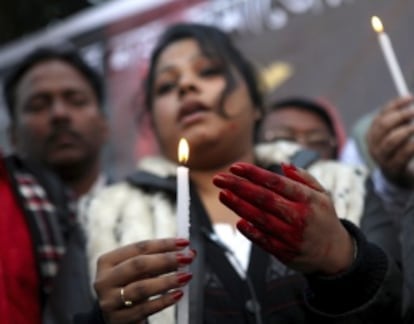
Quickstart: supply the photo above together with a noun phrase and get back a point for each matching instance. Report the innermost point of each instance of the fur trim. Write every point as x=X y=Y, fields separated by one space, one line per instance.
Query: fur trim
x=346 y=184
x=278 y=152
x=158 y=165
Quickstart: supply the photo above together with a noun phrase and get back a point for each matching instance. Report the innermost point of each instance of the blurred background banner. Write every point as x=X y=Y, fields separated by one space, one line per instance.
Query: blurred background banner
x=318 y=48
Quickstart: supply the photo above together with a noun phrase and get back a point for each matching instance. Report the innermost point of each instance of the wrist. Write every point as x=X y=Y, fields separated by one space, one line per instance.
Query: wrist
x=363 y=280
x=342 y=256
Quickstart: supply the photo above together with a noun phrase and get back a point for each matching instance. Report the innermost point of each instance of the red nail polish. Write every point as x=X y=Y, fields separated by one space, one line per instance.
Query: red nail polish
x=176 y=295
x=181 y=243
x=289 y=166
x=184 y=277
x=236 y=167
x=184 y=259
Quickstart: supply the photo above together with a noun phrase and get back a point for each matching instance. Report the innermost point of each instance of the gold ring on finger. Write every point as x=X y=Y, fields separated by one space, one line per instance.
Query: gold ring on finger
x=126 y=302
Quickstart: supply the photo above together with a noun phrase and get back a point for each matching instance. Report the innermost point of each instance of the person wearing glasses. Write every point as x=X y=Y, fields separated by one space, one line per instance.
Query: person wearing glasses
x=311 y=123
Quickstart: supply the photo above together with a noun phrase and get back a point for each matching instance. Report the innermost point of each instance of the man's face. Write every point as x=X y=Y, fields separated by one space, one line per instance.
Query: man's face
x=58 y=120
x=302 y=126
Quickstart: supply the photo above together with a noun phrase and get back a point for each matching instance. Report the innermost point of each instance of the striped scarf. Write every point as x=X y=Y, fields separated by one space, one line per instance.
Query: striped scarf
x=49 y=225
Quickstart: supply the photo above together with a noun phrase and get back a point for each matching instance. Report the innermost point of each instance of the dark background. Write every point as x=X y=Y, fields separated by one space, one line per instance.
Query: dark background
x=20 y=17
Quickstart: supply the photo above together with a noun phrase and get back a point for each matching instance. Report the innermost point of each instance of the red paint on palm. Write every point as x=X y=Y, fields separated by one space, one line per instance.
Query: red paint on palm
x=277 y=183
x=284 y=252
x=255 y=194
x=274 y=207
x=282 y=226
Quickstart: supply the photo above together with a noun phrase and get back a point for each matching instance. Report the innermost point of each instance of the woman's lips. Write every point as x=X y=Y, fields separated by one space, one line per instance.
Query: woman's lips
x=193 y=117
x=192 y=111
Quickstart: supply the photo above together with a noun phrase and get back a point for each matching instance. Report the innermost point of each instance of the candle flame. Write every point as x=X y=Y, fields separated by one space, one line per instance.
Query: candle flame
x=377 y=24
x=183 y=151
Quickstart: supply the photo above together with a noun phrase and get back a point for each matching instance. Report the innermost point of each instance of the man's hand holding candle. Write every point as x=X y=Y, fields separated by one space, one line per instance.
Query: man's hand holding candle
x=390 y=141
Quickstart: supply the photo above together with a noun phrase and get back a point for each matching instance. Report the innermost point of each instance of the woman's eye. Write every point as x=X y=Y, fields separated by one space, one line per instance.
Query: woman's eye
x=211 y=71
x=164 y=88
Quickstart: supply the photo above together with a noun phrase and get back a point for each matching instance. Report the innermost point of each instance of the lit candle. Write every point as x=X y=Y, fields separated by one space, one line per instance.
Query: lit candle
x=183 y=219
x=183 y=192
x=390 y=58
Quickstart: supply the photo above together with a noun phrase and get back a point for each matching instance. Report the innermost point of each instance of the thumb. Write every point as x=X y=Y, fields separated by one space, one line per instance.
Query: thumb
x=302 y=176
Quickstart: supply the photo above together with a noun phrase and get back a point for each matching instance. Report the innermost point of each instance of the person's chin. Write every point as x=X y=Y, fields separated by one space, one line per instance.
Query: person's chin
x=66 y=157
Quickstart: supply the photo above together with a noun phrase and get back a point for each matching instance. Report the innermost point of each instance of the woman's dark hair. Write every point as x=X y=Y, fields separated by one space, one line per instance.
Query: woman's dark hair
x=213 y=43
x=63 y=53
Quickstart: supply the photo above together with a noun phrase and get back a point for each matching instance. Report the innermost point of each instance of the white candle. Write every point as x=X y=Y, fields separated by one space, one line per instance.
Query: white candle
x=390 y=58
x=183 y=220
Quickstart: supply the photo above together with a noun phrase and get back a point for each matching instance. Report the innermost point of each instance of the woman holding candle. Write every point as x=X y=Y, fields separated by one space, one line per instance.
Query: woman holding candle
x=201 y=88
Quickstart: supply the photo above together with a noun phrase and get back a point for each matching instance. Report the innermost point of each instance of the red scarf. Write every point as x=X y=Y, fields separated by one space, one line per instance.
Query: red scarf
x=19 y=278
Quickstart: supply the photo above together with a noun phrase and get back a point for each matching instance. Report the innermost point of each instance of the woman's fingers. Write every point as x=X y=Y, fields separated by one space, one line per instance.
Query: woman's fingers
x=139 y=292
x=259 y=196
x=136 y=280
x=288 y=186
x=301 y=176
x=126 y=252
x=145 y=266
x=140 y=312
